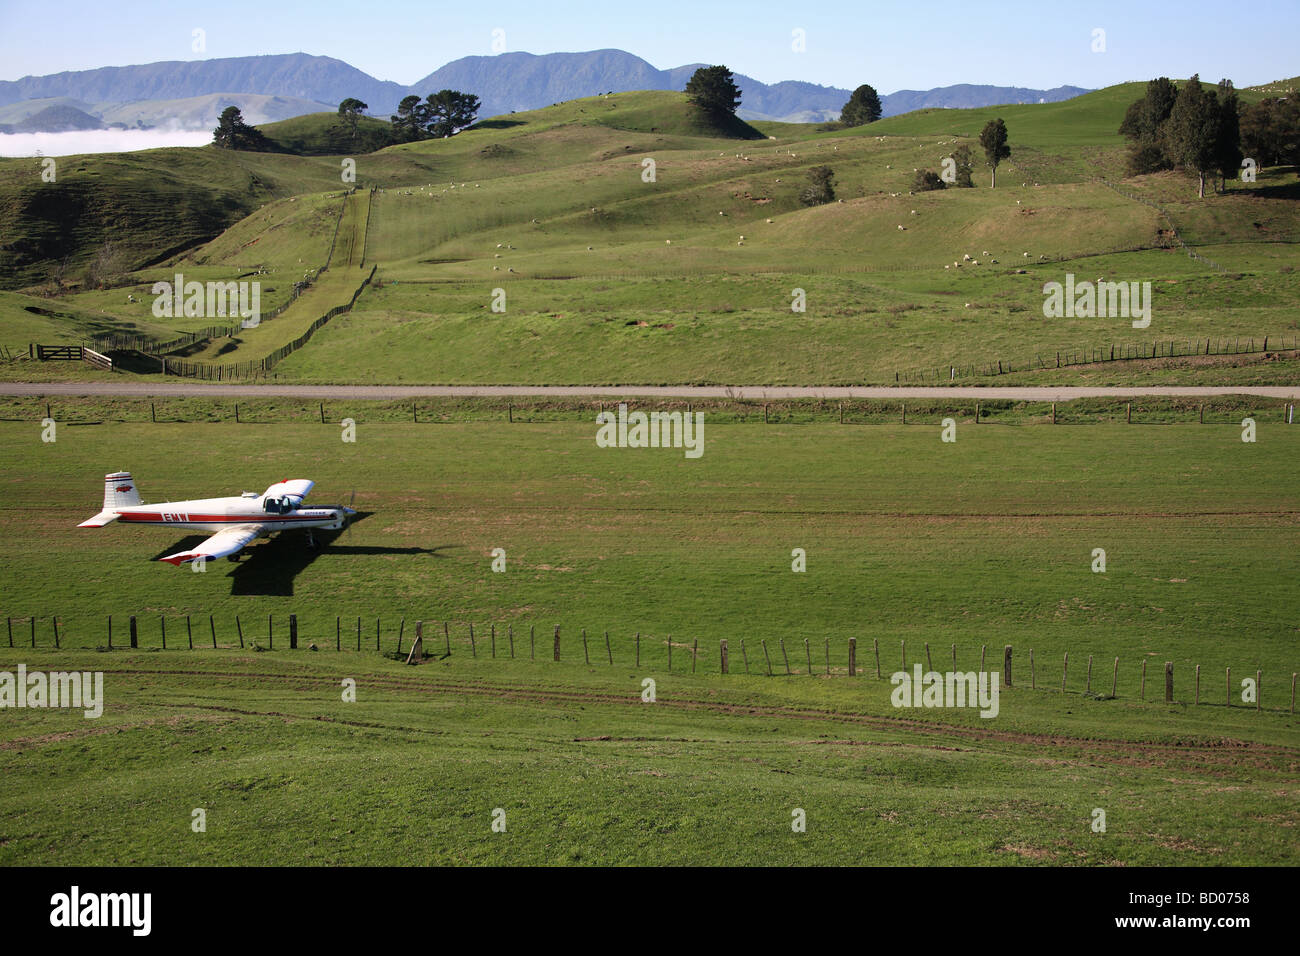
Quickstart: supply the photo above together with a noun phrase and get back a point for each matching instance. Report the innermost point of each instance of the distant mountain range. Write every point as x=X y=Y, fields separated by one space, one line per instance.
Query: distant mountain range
x=191 y=94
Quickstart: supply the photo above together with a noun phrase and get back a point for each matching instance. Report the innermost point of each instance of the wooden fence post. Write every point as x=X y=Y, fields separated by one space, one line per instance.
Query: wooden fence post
x=56 y=632
x=903 y=643
x=788 y=672
x=510 y=633
x=473 y=644
x=494 y=640
x=293 y=633
x=928 y=666
x=1169 y=682
x=110 y=633
x=556 y=655
x=808 y=653
x=1087 y=686
x=1033 y=672
x=10 y=622
x=401 y=632
x=1114 y=680
x=1142 y=692
x=239 y=629
x=983 y=648
x=162 y=622
x=189 y=633
x=828 y=657
x=722 y=654
x=532 y=643
x=853 y=655
x=745 y=655
x=769 y=659
x=670 y=652
x=875 y=643
x=1006 y=665
x=1259 y=691
x=695 y=646
x=1065 y=667
x=585 y=656
x=1293 y=692
x=132 y=630
x=213 y=628
x=1227 y=686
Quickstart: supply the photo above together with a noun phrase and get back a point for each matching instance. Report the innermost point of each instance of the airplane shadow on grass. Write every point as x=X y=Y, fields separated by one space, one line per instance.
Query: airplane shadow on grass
x=270 y=566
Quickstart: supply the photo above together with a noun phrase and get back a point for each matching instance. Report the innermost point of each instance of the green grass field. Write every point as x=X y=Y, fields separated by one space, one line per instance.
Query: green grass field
x=979 y=543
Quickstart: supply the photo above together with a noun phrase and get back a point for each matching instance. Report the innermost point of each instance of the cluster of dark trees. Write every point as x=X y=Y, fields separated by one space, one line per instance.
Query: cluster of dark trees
x=1191 y=127
x=233 y=133
x=1270 y=131
x=438 y=115
x=1208 y=131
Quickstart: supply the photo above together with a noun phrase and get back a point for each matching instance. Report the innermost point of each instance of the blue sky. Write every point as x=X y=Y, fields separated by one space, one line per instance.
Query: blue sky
x=891 y=45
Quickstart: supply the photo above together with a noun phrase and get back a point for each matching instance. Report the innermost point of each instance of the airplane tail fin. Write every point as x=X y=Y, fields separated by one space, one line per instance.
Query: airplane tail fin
x=119 y=492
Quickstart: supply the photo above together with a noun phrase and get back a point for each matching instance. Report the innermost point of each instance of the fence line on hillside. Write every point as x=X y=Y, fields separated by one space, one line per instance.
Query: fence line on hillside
x=560 y=644
x=140 y=343
x=338 y=220
x=1169 y=219
x=212 y=371
x=365 y=234
x=1112 y=352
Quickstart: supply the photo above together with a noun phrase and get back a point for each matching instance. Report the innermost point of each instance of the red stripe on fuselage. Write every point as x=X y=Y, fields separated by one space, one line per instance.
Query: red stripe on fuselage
x=157 y=518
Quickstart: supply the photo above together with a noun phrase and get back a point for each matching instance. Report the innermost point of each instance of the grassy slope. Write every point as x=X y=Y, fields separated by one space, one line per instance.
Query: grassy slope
x=559 y=193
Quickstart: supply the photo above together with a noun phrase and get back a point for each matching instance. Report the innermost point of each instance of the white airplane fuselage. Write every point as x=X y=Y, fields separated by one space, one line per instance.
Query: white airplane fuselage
x=217 y=514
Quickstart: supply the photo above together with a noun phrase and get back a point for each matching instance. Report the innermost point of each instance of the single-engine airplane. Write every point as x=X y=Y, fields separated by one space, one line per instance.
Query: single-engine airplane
x=236 y=520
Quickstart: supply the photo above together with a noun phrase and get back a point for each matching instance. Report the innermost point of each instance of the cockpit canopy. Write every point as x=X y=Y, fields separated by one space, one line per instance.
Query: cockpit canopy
x=279 y=506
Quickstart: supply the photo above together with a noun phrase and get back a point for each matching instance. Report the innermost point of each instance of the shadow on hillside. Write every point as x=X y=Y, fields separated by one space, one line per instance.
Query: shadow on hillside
x=498 y=124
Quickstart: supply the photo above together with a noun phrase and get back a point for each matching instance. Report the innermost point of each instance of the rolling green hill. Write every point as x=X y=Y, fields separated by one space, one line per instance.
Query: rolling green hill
x=630 y=239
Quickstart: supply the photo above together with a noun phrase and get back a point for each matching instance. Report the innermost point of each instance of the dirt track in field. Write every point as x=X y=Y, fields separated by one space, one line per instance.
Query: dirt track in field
x=1211 y=756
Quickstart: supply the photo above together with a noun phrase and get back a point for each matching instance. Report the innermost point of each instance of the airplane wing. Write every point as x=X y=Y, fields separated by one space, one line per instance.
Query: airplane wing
x=297 y=488
x=224 y=542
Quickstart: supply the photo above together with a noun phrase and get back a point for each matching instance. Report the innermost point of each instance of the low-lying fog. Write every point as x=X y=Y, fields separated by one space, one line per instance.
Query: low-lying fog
x=98 y=141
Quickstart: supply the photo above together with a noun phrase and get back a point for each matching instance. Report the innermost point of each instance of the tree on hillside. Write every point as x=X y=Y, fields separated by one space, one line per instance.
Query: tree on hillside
x=1192 y=133
x=349 y=110
x=964 y=163
x=233 y=133
x=863 y=107
x=821 y=188
x=1270 y=131
x=926 y=180
x=1144 y=125
x=448 y=112
x=714 y=92
x=408 y=122
x=1227 y=136
x=993 y=138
